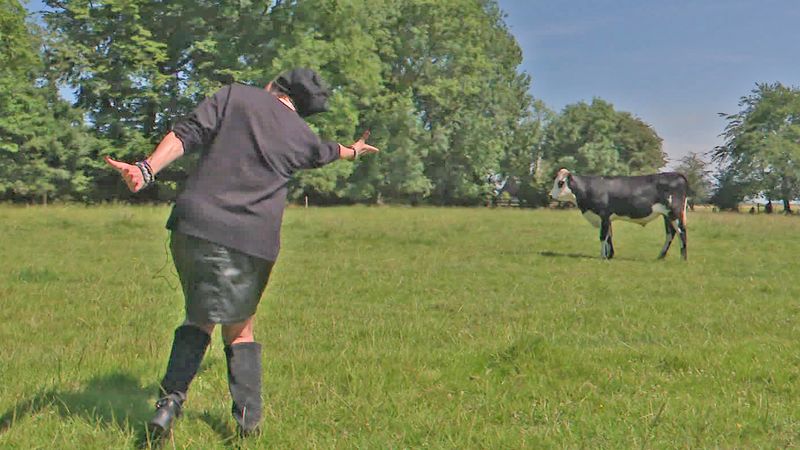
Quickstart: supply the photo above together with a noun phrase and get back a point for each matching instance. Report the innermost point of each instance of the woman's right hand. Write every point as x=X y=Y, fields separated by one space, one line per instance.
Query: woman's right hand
x=131 y=174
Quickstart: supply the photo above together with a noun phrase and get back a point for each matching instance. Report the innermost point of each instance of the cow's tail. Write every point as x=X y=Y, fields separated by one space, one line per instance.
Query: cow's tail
x=685 y=205
x=685 y=208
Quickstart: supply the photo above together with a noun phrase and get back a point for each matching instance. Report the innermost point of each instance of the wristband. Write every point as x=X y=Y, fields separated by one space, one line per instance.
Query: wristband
x=355 y=152
x=147 y=172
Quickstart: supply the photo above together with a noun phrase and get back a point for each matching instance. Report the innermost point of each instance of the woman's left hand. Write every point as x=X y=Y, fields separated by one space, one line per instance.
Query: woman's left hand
x=361 y=147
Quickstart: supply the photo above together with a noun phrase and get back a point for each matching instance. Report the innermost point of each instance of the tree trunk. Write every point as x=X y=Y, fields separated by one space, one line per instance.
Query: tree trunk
x=786 y=193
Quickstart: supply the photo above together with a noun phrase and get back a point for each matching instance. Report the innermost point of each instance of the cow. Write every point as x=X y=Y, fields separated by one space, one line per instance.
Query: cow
x=638 y=199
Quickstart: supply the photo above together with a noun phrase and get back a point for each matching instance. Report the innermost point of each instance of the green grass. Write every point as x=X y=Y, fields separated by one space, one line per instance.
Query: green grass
x=415 y=328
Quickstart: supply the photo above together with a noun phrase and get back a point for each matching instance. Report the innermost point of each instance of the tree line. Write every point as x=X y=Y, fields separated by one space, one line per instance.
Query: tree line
x=436 y=82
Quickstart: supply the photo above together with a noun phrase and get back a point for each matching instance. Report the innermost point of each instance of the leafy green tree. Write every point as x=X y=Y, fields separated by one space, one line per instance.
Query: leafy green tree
x=121 y=72
x=596 y=139
x=695 y=169
x=436 y=82
x=310 y=34
x=729 y=191
x=522 y=160
x=17 y=49
x=762 y=143
x=139 y=65
x=43 y=145
x=442 y=105
x=459 y=61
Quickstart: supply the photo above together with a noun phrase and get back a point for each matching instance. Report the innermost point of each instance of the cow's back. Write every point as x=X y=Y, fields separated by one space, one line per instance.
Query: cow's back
x=632 y=196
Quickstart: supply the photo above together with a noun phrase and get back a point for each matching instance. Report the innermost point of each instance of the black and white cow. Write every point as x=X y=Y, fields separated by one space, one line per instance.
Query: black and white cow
x=638 y=199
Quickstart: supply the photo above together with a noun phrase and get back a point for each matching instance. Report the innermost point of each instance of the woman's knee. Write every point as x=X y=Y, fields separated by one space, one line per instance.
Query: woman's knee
x=239 y=332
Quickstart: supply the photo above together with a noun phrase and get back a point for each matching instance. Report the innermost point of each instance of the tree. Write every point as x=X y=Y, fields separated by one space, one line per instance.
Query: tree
x=452 y=67
x=43 y=145
x=130 y=87
x=521 y=163
x=138 y=66
x=436 y=81
x=17 y=49
x=474 y=102
x=729 y=191
x=695 y=169
x=596 y=139
x=762 y=143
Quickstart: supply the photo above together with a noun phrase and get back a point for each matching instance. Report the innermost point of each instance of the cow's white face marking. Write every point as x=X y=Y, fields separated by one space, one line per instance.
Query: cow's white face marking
x=561 y=190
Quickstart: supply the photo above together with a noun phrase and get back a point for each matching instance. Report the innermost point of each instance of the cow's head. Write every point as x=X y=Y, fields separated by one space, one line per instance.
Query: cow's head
x=561 y=190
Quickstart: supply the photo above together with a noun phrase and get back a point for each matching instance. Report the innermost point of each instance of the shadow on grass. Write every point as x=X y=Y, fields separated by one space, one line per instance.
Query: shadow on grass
x=566 y=255
x=221 y=426
x=550 y=254
x=115 y=400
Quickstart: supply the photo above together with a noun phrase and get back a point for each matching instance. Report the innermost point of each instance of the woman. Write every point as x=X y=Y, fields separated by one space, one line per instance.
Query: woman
x=225 y=225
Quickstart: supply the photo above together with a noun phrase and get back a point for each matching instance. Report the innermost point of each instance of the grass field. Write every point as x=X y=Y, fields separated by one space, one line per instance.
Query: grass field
x=415 y=328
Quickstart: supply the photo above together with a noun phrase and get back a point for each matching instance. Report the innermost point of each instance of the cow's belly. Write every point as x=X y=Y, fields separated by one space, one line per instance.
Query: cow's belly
x=655 y=211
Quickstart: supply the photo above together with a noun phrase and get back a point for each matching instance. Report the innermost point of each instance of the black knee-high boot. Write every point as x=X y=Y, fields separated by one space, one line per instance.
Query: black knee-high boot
x=188 y=349
x=244 y=380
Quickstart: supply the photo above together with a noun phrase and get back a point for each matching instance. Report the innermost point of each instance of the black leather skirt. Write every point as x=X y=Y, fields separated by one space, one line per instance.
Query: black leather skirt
x=221 y=285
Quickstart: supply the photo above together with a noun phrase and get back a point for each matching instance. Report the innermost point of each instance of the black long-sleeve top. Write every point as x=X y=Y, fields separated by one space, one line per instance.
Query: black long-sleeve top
x=252 y=144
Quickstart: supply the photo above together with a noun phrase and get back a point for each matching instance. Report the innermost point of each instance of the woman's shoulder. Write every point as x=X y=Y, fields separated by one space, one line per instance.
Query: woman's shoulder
x=247 y=91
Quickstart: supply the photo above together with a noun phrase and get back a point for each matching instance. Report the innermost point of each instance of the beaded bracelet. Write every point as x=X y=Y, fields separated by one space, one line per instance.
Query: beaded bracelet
x=147 y=172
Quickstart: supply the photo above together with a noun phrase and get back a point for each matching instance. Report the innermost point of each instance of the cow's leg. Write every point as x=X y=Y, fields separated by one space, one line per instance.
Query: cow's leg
x=682 y=230
x=606 y=246
x=670 y=236
x=679 y=223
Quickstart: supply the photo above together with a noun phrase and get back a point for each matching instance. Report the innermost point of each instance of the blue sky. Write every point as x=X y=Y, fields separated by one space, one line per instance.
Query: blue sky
x=673 y=63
